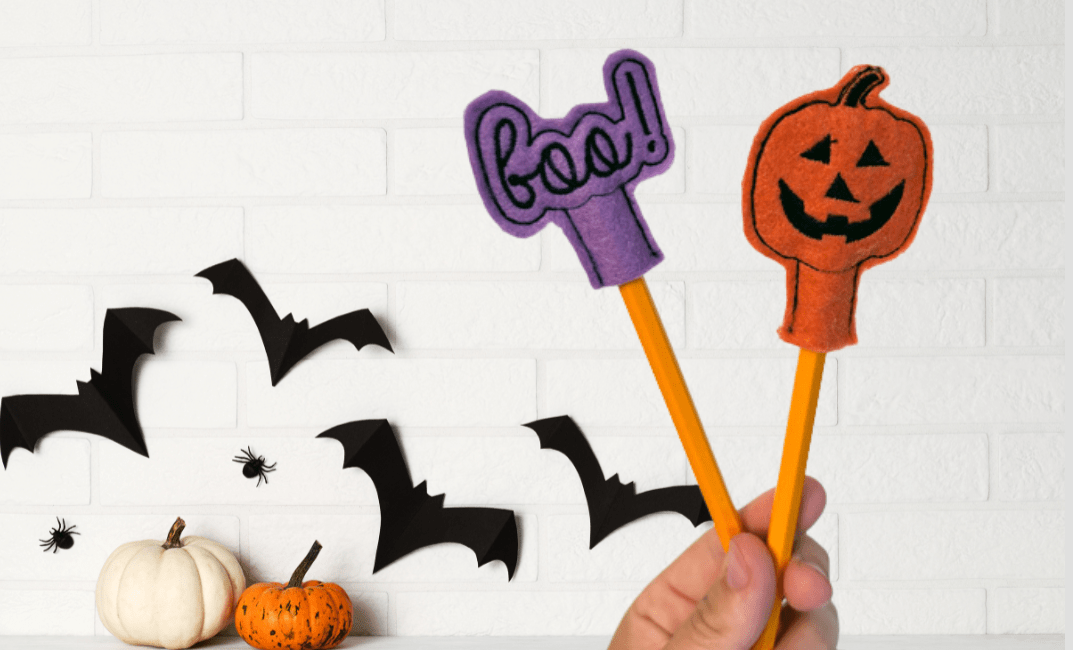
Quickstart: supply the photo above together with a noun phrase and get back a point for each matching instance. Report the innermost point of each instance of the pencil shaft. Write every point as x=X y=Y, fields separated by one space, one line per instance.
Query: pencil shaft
x=683 y=412
x=787 y=503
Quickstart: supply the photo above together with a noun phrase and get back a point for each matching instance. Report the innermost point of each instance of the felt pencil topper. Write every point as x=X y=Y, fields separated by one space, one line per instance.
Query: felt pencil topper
x=836 y=183
x=579 y=171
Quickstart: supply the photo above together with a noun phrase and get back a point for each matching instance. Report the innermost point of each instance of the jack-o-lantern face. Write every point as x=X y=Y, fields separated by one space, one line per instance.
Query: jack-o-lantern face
x=837 y=182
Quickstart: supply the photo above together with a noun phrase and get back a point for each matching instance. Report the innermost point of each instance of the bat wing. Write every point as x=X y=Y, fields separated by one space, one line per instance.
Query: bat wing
x=371 y=446
x=25 y=419
x=563 y=435
x=103 y=406
x=611 y=503
x=629 y=506
x=232 y=278
x=491 y=533
x=359 y=327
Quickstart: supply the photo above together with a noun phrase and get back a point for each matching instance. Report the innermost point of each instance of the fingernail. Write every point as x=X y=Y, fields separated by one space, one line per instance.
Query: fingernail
x=737 y=572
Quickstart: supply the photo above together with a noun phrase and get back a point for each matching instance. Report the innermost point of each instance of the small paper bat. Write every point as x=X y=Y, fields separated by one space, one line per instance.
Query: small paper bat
x=411 y=519
x=287 y=342
x=612 y=504
x=104 y=405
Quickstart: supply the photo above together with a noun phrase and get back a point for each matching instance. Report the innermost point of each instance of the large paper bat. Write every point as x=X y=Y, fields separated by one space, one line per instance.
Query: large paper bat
x=612 y=504
x=411 y=519
x=104 y=405
x=287 y=342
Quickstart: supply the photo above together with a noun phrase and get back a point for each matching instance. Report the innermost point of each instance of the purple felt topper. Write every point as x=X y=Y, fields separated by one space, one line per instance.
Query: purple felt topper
x=579 y=171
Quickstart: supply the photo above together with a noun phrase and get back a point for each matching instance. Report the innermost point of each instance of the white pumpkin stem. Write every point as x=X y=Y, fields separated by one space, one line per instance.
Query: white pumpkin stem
x=300 y=573
x=173 y=540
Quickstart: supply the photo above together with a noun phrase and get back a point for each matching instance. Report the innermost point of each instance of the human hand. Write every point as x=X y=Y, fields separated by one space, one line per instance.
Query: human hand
x=711 y=600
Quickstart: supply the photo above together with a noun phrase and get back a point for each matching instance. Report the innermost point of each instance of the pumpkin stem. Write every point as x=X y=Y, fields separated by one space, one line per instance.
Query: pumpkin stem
x=173 y=536
x=300 y=573
x=867 y=79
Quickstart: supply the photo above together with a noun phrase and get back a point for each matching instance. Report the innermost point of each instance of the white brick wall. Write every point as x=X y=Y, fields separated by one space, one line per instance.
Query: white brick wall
x=320 y=141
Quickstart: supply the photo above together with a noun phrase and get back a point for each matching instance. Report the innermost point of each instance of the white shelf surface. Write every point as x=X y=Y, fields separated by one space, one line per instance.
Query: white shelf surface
x=979 y=642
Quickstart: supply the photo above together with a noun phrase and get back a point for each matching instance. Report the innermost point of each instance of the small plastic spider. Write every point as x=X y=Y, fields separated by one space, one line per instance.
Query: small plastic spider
x=254 y=466
x=59 y=537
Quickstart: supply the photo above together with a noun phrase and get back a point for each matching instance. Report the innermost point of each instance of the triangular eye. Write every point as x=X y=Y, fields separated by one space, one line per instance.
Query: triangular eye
x=821 y=151
x=871 y=157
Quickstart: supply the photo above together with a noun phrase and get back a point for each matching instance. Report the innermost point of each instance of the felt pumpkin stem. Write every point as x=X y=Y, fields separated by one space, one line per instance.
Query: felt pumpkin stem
x=176 y=531
x=300 y=573
x=867 y=80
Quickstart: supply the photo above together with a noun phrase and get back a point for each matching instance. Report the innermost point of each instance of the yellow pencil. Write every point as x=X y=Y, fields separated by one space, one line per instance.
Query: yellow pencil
x=683 y=413
x=787 y=504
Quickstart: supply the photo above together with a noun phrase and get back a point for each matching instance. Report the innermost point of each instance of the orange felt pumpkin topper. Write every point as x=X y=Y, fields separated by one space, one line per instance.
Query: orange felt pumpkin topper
x=836 y=183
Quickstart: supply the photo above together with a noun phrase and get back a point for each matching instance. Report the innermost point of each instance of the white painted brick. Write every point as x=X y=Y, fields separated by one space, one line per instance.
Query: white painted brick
x=370 y=612
x=910 y=611
x=494 y=20
x=44 y=317
x=36 y=377
x=920 y=313
x=281 y=162
x=863 y=468
x=98 y=536
x=45 y=165
x=44 y=22
x=510 y=613
x=1029 y=311
x=968 y=80
x=220 y=322
x=961 y=236
x=727 y=392
x=515 y=470
x=693 y=237
x=636 y=552
x=527 y=315
x=696 y=81
x=186 y=394
x=1026 y=610
x=56 y=474
x=1043 y=19
x=280 y=541
x=308 y=471
x=135 y=22
x=951 y=544
x=342 y=239
x=1031 y=467
x=730 y=19
x=50 y=613
x=413 y=392
x=719 y=155
x=435 y=161
x=148 y=88
x=118 y=241
x=386 y=84
x=912 y=313
x=936 y=390
x=1029 y=158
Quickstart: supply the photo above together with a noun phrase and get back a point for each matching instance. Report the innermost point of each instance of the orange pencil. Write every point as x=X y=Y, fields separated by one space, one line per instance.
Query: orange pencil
x=836 y=183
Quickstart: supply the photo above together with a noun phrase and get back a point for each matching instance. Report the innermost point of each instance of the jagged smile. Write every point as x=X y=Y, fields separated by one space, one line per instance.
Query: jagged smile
x=879 y=212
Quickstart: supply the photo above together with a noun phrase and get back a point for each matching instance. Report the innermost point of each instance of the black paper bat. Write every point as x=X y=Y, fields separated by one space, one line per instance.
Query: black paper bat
x=411 y=519
x=612 y=504
x=287 y=342
x=104 y=405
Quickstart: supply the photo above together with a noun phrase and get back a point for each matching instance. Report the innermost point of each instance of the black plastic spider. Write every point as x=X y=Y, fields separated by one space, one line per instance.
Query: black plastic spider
x=254 y=466
x=59 y=537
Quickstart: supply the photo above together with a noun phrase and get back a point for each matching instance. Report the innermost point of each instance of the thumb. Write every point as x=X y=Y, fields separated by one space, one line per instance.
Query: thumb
x=736 y=608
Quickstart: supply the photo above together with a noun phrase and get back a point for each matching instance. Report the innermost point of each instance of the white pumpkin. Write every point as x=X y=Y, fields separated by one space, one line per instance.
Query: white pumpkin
x=171 y=594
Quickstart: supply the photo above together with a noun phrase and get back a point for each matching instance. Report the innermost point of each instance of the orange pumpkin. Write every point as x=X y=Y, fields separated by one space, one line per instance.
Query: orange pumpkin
x=300 y=616
x=837 y=182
